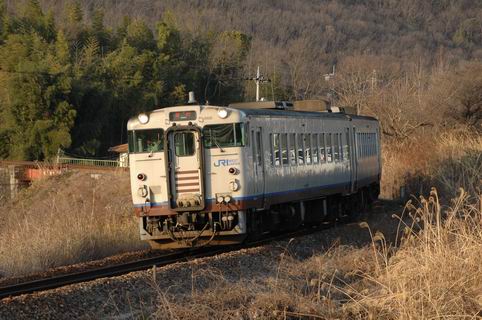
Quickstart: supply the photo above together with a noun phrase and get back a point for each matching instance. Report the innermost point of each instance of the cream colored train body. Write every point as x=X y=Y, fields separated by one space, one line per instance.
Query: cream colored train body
x=215 y=175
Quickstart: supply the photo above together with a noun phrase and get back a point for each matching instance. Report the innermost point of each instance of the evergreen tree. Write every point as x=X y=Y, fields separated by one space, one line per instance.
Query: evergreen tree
x=77 y=86
x=3 y=21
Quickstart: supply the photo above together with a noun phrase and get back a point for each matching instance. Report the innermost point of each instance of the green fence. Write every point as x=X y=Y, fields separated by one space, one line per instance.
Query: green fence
x=88 y=162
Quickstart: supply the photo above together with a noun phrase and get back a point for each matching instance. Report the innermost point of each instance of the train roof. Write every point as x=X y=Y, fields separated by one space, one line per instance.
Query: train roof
x=301 y=114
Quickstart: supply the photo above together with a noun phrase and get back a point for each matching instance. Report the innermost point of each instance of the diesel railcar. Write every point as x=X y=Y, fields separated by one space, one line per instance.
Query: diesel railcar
x=211 y=175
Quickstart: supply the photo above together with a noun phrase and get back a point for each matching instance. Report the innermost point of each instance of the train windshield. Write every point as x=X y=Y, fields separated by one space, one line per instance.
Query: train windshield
x=224 y=135
x=150 y=140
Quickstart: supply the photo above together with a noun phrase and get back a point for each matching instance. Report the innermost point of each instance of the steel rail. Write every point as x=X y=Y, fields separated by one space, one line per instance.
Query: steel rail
x=143 y=264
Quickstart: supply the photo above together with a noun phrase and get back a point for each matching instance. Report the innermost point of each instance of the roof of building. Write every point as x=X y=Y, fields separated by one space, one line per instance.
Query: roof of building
x=121 y=148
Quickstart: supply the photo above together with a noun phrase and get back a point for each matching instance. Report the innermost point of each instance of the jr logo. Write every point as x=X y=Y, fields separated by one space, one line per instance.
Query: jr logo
x=226 y=162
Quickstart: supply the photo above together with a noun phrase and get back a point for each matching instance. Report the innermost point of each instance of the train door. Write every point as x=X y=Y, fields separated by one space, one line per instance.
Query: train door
x=258 y=163
x=184 y=163
x=353 y=160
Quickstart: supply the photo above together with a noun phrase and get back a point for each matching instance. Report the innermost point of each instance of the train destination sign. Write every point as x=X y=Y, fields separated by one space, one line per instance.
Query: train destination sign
x=182 y=115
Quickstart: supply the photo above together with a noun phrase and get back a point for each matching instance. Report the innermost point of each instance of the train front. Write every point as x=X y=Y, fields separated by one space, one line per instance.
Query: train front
x=186 y=175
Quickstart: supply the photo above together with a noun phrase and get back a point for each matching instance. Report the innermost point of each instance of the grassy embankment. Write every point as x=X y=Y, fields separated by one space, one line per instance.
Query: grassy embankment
x=67 y=219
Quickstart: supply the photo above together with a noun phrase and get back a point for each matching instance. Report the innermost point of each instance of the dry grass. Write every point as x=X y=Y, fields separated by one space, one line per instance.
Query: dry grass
x=67 y=219
x=434 y=272
x=448 y=162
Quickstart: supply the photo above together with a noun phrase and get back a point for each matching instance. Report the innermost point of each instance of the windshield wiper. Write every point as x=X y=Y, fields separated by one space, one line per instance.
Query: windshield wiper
x=217 y=145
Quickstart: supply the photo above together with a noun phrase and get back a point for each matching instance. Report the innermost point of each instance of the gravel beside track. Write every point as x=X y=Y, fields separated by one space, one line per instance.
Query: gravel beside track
x=136 y=294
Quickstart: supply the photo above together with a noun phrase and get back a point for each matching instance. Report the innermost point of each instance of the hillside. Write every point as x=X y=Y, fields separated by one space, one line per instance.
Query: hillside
x=405 y=29
x=73 y=72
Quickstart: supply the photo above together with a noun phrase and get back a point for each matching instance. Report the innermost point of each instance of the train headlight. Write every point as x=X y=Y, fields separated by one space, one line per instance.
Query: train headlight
x=227 y=199
x=142 y=191
x=143 y=118
x=233 y=185
x=220 y=199
x=223 y=113
x=141 y=176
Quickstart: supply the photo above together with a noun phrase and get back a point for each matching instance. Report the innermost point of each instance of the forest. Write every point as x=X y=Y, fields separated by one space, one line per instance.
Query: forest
x=73 y=72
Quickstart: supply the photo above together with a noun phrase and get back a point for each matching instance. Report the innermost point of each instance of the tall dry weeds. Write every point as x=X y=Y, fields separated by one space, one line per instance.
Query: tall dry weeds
x=67 y=219
x=436 y=272
x=448 y=161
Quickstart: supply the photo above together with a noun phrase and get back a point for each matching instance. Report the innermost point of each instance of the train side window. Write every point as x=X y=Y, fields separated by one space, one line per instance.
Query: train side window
x=292 y=148
x=347 y=145
x=329 y=156
x=336 y=147
x=276 y=149
x=308 y=155
x=340 y=146
x=363 y=145
x=315 y=148
x=369 y=142
x=284 y=148
x=300 y=149
x=322 y=148
x=259 y=148
x=253 y=146
x=374 y=143
x=271 y=149
x=365 y=138
x=366 y=144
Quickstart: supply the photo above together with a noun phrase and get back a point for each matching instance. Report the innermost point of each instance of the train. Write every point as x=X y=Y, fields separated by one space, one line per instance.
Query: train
x=205 y=175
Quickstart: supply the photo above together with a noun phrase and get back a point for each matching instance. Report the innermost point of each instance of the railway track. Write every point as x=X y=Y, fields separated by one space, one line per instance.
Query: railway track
x=143 y=264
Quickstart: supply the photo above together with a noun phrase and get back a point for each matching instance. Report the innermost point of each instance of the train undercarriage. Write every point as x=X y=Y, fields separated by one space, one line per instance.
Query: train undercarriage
x=194 y=229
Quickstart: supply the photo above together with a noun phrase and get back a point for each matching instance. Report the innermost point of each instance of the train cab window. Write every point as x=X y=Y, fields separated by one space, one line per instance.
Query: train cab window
x=292 y=148
x=329 y=156
x=322 y=148
x=184 y=143
x=314 y=147
x=284 y=148
x=300 y=148
x=224 y=135
x=151 y=140
x=308 y=148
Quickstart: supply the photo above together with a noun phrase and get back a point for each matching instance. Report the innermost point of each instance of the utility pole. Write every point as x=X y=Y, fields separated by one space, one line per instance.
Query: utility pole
x=329 y=77
x=374 y=79
x=258 y=79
